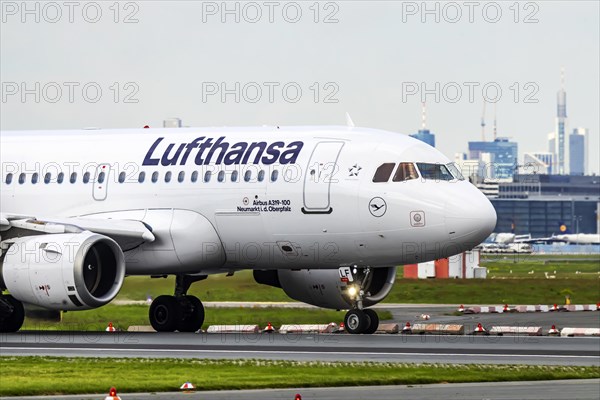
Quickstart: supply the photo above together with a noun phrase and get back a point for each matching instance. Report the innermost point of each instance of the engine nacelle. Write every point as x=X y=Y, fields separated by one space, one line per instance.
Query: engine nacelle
x=324 y=288
x=67 y=271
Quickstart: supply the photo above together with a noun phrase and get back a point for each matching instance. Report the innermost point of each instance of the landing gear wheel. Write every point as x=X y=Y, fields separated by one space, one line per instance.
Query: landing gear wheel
x=192 y=312
x=356 y=321
x=374 y=321
x=14 y=321
x=165 y=314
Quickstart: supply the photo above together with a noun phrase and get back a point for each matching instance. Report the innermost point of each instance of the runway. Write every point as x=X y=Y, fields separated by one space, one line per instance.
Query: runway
x=573 y=389
x=324 y=347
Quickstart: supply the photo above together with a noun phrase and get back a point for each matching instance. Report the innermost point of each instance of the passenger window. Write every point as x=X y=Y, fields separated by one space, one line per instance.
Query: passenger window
x=73 y=177
x=86 y=177
x=101 y=177
x=142 y=177
x=261 y=175
x=195 y=176
x=9 y=178
x=122 y=177
x=155 y=177
x=221 y=176
x=47 y=177
x=22 y=178
x=61 y=177
x=274 y=175
x=234 y=176
x=168 y=176
x=207 y=176
x=405 y=172
x=437 y=172
x=248 y=176
x=181 y=176
x=384 y=172
x=34 y=178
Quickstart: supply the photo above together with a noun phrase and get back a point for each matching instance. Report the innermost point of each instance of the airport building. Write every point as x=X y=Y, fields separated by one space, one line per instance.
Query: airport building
x=538 y=204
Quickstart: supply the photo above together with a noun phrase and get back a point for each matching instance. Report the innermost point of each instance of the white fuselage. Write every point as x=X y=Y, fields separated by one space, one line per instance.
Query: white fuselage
x=307 y=202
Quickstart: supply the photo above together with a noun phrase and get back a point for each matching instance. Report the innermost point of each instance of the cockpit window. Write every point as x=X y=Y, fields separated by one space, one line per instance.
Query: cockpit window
x=384 y=172
x=455 y=171
x=405 y=172
x=437 y=172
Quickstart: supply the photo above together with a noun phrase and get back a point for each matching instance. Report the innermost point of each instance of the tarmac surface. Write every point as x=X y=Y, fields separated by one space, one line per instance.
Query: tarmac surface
x=572 y=389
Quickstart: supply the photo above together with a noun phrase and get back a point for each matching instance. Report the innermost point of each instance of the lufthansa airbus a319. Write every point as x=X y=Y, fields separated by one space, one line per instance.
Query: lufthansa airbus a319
x=324 y=213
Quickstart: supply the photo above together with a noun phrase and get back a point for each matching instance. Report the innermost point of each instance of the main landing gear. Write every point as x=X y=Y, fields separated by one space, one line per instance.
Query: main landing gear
x=180 y=312
x=12 y=314
x=359 y=319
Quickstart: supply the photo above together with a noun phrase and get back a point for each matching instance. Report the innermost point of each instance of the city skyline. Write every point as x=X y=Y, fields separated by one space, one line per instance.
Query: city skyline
x=184 y=62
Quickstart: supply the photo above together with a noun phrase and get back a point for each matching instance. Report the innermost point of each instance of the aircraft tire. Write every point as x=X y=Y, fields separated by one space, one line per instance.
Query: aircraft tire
x=14 y=321
x=192 y=314
x=373 y=321
x=164 y=314
x=356 y=321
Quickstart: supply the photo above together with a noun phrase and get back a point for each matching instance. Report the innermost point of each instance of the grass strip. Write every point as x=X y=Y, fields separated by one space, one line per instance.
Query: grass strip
x=123 y=316
x=57 y=375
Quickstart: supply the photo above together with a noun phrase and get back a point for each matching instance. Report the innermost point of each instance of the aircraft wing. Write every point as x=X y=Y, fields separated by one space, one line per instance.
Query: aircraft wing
x=120 y=230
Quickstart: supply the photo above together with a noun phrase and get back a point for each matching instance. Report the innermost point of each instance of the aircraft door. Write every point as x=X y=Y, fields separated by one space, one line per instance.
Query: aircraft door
x=320 y=172
x=100 y=187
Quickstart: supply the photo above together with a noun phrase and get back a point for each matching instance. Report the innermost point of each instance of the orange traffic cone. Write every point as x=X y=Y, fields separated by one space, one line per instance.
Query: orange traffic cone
x=407 y=328
x=112 y=394
x=506 y=308
x=554 y=308
x=110 y=328
x=480 y=329
x=597 y=306
x=461 y=308
x=342 y=327
x=297 y=397
x=269 y=328
x=553 y=331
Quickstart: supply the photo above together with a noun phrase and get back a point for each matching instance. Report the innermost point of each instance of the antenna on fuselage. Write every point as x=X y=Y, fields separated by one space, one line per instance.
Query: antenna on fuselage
x=349 y=122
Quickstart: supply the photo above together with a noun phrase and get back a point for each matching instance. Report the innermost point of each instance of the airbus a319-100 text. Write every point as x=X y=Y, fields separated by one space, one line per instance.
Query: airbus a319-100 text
x=324 y=213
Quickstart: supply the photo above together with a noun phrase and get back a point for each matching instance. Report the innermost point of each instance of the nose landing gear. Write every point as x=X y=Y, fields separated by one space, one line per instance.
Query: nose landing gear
x=358 y=319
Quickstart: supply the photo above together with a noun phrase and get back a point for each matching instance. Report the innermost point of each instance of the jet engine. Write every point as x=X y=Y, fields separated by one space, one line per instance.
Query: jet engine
x=325 y=288
x=71 y=271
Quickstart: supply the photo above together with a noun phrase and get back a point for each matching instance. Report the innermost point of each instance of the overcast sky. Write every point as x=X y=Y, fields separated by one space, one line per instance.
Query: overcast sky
x=301 y=63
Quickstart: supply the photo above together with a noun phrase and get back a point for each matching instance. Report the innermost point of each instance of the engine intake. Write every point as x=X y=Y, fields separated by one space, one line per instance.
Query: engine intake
x=63 y=271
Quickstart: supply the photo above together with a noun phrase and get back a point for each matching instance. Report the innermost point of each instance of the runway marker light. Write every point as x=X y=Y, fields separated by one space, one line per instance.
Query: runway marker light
x=555 y=307
x=479 y=329
x=597 y=306
x=342 y=327
x=110 y=327
x=407 y=328
x=187 y=387
x=112 y=394
x=461 y=308
x=297 y=397
x=269 y=328
x=506 y=308
x=553 y=331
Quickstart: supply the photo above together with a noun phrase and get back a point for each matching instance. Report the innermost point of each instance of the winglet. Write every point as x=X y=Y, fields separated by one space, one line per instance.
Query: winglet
x=349 y=122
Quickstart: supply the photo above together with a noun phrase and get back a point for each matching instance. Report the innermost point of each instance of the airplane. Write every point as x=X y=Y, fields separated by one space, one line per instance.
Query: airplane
x=325 y=213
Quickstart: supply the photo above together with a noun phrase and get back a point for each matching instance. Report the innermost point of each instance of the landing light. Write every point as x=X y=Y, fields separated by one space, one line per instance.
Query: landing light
x=352 y=291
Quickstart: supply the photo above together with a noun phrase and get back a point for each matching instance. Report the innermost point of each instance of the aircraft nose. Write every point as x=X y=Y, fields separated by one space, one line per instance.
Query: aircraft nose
x=470 y=217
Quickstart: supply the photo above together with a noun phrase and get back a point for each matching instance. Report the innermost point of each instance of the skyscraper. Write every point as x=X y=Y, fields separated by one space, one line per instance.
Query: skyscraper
x=503 y=154
x=578 y=151
x=560 y=139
